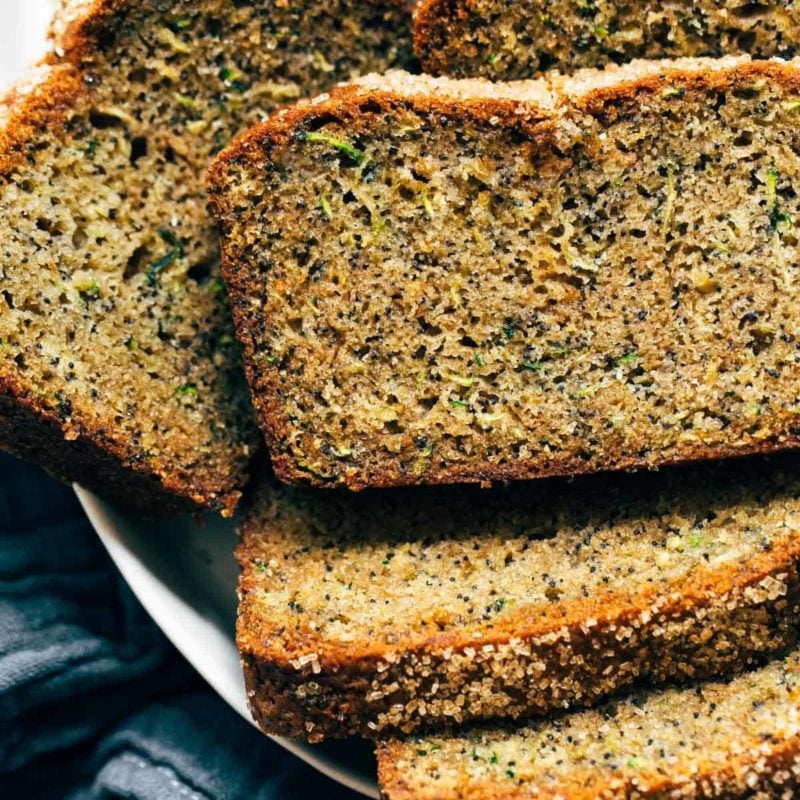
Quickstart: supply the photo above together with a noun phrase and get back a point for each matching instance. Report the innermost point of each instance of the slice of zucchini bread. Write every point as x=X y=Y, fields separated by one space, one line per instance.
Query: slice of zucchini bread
x=508 y=41
x=118 y=365
x=395 y=610
x=735 y=739
x=439 y=281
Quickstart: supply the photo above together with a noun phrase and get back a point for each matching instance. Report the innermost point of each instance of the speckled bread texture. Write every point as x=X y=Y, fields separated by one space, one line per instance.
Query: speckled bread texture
x=508 y=41
x=390 y=611
x=735 y=739
x=118 y=364
x=438 y=281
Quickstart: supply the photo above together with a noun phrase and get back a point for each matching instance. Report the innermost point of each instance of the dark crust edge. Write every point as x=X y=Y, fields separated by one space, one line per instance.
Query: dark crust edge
x=93 y=459
x=83 y=33
x=353 y=105
x=345 y=671
x=36 y=436
x=712 y=781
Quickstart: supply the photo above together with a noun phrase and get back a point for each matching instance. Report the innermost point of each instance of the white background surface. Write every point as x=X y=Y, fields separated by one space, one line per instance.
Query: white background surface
x=22 y=30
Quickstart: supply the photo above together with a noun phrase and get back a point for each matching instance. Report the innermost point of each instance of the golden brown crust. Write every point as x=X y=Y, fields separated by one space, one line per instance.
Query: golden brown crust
x=595 y=91
x=774 y=774
x=611 y=610
x=605 y=97
x=610 y=645
x=39 y=101
x=71 y=16
x=287 y=471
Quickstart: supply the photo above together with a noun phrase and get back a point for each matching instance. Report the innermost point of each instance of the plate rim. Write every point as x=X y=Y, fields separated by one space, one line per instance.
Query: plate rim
x=134 y=571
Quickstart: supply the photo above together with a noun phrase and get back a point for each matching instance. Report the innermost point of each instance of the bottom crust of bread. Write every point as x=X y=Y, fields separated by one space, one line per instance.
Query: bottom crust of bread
x=34 y=437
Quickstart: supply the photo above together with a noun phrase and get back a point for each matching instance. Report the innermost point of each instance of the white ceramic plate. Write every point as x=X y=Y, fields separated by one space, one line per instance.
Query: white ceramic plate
x=184 y=574
x=22 y=35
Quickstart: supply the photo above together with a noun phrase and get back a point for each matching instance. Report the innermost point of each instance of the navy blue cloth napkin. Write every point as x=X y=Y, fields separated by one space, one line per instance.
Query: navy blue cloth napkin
x=94 y=703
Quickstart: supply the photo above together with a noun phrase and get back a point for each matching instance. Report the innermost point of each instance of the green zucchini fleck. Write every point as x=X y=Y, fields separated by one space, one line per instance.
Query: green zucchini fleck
x=509 y=331
x=160 y=265
x=178 y=251
x=325 y=207
x=344 y=147
x=427 y=205
x=627 y=360
x=777 y=217
x=533 y=366
x=462 y=380
x=671 y=197
x=89 y=290
x=233 y=79
x=178 y=24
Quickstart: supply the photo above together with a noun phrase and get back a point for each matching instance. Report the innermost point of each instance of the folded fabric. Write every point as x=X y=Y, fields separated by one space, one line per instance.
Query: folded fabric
x=76 y=649
x=94 y=702
x=193 y=748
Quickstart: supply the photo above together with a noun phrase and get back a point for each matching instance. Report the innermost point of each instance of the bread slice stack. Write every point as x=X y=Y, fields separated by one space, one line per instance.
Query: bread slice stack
x=442 y=281
x=455 y=282
x=118 y=363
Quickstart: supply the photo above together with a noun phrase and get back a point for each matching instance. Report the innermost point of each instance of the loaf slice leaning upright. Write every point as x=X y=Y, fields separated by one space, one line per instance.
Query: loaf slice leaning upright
x=440 y=282
x=509 y=41
x=736 y=739
x=118 y=366
x=391 y=611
